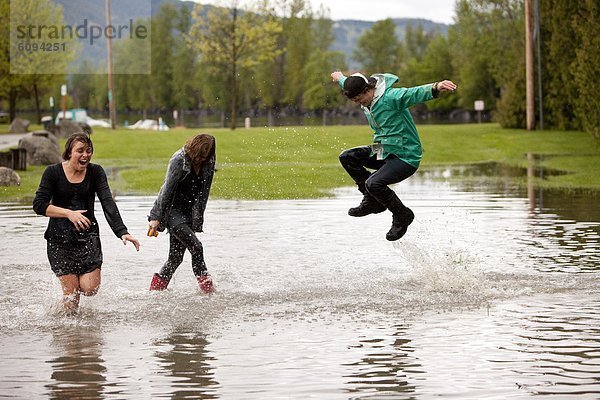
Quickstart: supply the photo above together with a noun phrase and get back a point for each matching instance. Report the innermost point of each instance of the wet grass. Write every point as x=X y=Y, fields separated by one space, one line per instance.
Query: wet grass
x=302 y=162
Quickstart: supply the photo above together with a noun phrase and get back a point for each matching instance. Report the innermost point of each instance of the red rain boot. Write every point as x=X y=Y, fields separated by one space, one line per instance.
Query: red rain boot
x=158 y=283
x=206 y=284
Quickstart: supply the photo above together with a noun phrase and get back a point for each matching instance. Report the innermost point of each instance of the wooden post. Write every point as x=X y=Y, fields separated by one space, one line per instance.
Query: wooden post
x=111 y=94
x=530 y=181
x=19 y=159
x=529 y=70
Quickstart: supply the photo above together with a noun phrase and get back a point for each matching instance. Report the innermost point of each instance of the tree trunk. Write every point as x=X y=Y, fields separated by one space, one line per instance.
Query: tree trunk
x=270 y=116
x=37 y=103
x=233 y=100
x=233 y=73
x=12 y=104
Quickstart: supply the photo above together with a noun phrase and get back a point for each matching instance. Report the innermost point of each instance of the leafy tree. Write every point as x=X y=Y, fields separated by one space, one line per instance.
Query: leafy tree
x=134 y=90
x=416 y=41
x=4 y=48
x=559 y=51
x=435 y=65
x=488 y=51
x=230 y=41
x=488 y=47
x=585 y=66
x=82 y=84
x=378 y=48
x=185 y=93
x=320 y=93
x=29 y=64
x=298 y=37
x=163 y=45
x=281 y=82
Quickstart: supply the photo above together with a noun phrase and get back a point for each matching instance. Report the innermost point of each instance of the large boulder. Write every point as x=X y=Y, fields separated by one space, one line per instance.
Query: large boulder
x=8 y=177
x=66 y=128
x=41 y=150
x=19 y=126
x=46 y=134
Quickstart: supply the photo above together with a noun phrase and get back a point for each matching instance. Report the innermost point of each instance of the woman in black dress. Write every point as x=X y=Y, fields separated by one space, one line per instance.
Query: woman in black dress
x=66 y=195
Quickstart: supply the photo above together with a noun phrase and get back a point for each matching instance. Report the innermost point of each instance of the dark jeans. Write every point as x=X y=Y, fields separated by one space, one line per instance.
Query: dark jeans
x=389 y=171
x=181 y=238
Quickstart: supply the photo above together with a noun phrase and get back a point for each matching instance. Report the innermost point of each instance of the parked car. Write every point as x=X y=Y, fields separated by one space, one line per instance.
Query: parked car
x=150 y=124
x=80 y=115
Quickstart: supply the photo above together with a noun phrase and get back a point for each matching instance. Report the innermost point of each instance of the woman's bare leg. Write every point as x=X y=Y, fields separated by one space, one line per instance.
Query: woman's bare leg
x=90 y=283
x=70 y=288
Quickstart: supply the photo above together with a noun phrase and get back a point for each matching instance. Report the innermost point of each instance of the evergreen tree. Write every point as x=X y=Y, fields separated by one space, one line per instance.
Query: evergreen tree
x=416 y=41
x=185 y=95
x=163 y=52
x=585 y=66
x=299 y=44
x=435 y=65
x=229 y=41
x=488 y=56
x=378 y=48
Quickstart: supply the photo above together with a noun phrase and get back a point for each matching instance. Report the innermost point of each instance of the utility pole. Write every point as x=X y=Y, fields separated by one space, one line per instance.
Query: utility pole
x=538 y=42
x=111 y=98
x=529 y=69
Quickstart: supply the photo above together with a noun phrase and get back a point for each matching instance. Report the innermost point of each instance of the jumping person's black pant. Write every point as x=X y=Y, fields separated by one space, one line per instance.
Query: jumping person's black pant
x=389 y=171
x=181 y=238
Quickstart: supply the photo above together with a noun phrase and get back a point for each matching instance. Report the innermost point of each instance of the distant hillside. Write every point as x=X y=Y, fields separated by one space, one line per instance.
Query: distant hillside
x=346 y=32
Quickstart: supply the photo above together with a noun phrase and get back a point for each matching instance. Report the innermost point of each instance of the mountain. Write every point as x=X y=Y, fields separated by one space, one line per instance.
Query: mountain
x=346 y=32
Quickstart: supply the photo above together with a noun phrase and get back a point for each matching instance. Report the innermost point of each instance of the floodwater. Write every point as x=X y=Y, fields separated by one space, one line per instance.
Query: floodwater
x=491 y=295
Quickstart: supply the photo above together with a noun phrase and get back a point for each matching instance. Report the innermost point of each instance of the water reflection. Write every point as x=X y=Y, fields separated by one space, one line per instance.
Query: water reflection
x=562 y=231
x=463 y=306
x=385 y=366
x=78 y=370
x=183 y=357
x=558 y=347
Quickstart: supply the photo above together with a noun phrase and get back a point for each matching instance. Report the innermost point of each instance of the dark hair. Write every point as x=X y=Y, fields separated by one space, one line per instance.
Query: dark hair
x=357 y=83
x=200 y=148
x=76 y=137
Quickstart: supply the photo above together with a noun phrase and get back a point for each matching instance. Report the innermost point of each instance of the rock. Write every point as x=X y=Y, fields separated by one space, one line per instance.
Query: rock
x=45 y=156
x=46 y=134
x=66 y=128
x=19 y=126
x=8 y=177
x=41 y=150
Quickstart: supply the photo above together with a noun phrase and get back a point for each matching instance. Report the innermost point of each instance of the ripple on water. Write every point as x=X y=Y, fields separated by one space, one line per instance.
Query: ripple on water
x=482 y=298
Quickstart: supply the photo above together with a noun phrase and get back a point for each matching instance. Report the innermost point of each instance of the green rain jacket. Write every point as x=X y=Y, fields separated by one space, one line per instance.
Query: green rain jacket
x=390 y=119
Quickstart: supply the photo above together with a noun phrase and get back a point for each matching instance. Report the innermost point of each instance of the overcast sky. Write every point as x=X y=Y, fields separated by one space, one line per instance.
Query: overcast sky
x=375 y=10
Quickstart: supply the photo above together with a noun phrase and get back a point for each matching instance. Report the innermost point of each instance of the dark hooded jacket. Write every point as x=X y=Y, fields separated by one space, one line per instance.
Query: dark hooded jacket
x=179 y=167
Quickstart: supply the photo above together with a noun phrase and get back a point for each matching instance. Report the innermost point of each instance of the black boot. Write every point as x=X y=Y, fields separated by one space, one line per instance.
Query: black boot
x=400 y=223
x=368 y=205
x=402 y=217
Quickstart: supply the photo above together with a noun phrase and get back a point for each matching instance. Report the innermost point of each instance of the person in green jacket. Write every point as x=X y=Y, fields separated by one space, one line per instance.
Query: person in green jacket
x=396 y=150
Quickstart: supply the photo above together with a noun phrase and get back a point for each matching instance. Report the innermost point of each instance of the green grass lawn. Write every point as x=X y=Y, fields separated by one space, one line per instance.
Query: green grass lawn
x=302 y=162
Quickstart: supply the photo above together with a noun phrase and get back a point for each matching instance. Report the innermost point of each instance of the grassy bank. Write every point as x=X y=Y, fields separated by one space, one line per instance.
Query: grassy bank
x=301 y=162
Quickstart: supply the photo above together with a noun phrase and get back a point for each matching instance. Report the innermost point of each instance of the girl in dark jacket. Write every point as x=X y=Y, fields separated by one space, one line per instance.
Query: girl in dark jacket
x=66 y=194
x=180 y=207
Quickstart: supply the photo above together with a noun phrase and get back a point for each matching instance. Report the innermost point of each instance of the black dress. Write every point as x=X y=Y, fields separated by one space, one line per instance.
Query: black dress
x=70 y=251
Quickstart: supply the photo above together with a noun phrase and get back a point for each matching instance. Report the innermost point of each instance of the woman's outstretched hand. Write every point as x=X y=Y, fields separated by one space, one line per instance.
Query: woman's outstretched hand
x=128 y=238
